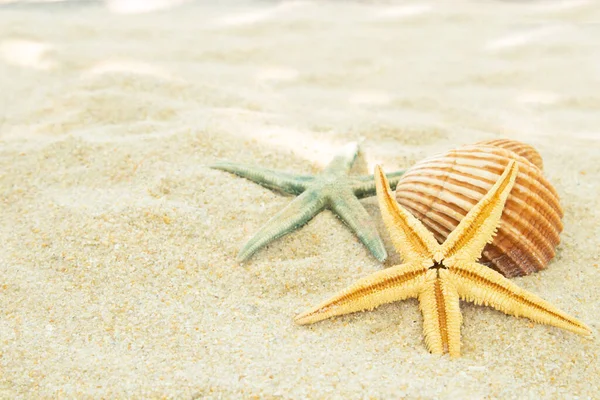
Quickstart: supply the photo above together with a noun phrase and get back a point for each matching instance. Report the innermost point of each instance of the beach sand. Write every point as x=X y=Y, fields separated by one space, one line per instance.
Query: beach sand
x=118 y=244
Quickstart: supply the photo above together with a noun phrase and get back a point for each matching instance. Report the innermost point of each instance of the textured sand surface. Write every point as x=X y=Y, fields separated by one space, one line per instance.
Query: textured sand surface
x=117 y=244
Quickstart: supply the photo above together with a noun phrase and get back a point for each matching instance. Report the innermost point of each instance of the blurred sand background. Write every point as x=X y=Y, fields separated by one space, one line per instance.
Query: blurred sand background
x=117 y=244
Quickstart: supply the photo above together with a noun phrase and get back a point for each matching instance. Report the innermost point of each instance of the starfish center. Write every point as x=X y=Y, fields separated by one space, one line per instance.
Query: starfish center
x=438 y=265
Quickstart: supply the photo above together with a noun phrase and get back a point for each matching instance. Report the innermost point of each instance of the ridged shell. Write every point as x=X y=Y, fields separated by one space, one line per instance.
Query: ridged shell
x=441 y=190
x=522 y=149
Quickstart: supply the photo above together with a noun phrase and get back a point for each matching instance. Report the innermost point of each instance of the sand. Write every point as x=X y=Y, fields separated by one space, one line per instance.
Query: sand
x=118 y=244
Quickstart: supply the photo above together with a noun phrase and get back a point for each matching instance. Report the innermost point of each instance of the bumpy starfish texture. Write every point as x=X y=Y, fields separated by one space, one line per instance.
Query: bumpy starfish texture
x=440 y=275
x=332 y=189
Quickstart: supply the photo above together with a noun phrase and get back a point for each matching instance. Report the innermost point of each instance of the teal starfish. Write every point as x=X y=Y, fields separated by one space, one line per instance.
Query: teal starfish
x=332 y=189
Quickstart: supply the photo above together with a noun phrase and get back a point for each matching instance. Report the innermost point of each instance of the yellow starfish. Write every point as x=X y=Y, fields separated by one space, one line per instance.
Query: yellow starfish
x=440 y=275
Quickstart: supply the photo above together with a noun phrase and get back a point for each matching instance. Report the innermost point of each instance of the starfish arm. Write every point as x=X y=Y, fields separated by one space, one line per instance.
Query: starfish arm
x=364 y=186
x=393 y=284
x=276 y=180
x=478 y=227
x=342 y=161
x=482 y=285
x=440 y=307
x=412 y=240
x=349 y=209
x=297 y=213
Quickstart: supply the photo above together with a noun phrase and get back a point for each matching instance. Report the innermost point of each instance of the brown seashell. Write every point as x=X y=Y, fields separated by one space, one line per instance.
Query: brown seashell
x=440 y=190
x=522 y=149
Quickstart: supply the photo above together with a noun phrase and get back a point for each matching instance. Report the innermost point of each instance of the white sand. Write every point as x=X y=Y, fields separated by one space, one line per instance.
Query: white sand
x=117 y=249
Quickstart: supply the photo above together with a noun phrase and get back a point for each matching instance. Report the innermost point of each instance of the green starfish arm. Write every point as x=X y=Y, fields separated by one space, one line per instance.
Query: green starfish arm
x=293 y=216
x=364 y=186
x=342 y=161
x=276 y=180
x=333 y=189
x=349 y=209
